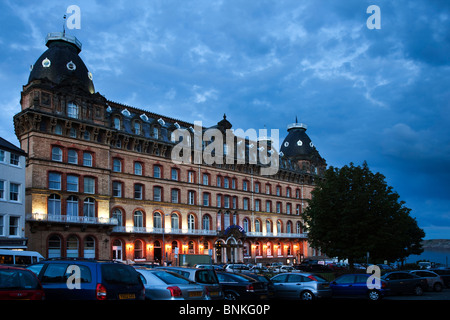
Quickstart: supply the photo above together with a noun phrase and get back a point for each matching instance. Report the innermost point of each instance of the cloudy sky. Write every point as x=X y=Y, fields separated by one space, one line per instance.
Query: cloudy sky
x=380 y=95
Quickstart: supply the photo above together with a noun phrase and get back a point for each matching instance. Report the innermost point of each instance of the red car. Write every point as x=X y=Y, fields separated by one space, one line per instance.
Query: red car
x=19 y=284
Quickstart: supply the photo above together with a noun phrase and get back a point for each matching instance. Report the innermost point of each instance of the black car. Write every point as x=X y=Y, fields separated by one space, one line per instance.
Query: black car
x=242 y=287
x=444 y=273
x=88 y=279
x=268 y=284
x=399 y=282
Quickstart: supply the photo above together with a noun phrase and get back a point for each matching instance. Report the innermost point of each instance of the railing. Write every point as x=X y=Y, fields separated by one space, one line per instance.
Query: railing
x=131 y=229
x=278 y=235
x=70 y=219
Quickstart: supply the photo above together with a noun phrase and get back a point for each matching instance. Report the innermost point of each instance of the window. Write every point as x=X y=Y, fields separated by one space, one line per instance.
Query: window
x=73 y=133
x=268 y=226
x=72 y=183
x=288 y=192
x=278 y=191
x=72 y=156
x=155 y=132
x=219 y=181
x=137 y=128
x=191 y=222
x=257 y=205
x=226 y=201
x=117 y=165
x=268 y=206
x=117 y=123
x=297 y=210
x=257 y=226
x=288 y=208
x=57 y=154
x=298 y=227
x=89 y=208
x=174 y=220
x=233 y=183
x=117 y=189
x=267 y=188
x=14 y=191
x=289 y=227
x=205 y=179
x=2 y=223
x=87 y=135
x=117 y=214
x=138 y=168
x=191 y=197
x=234 y=202
x=157 y=194
x=157 y=223
x=297 y=193
x=14 y=226
x=278 y=207
x=14 y=160
x=226 y=183
x=175 y=193
x=156 y=171
x=219 y=200
x=191 y=176
x=2 y=155
x=89 y=185
x=54 y=181
x=72 y=206
x=138 y=189
x=245 y=185
x=138 y=219
x=87 y=159
x=245 y=203
x=226 y=219
x=72 y=110
x=206 y=222
x=54 y=248
x=2 y=190
x=245 y=225
x=257 y=187
x=54 y=205
x=206 y=199
x=174 y=174
x=89 y=247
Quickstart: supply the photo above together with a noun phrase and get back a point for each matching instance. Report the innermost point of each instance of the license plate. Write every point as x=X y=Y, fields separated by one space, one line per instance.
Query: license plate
x=195 y=293
x=214 y=293
x=124 y=296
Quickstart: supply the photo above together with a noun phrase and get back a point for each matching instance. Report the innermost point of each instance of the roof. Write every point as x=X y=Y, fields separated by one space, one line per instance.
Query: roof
x=8 y=146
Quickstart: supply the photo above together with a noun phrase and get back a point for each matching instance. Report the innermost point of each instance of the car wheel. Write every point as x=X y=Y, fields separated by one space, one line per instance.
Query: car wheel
x=437 y=287
x=418 y=291
x=306 y=295
x=374 y=295
x=230 y=296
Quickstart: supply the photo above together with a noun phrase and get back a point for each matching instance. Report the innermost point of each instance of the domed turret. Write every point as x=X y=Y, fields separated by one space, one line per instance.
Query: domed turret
x=297 y=145
x=61 y=63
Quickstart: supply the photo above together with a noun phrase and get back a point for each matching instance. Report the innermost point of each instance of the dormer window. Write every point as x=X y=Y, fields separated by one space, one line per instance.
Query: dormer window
x=72 y=110
x=117 y=123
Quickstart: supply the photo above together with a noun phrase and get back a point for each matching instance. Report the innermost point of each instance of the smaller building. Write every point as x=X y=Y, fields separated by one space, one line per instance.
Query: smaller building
x=12 y=196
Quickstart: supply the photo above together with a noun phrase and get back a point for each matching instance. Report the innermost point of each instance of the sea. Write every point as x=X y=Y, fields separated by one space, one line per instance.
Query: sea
x=436 y=255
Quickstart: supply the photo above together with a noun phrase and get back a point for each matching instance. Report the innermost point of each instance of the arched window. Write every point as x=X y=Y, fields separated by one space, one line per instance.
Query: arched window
x=206 y=222
x=191 y=222
x=138 y=219
x=72 y=208
x=117 y=250
x=174 y=221
x=117 y=214
x=117 y=123
x=157 y=223
x=257 y=226
x=289 y=227
x=54 y=205
x=87 y=159
x=278 y=226
x=226 y=219
x=138 y=168
x=72 y=156
x=89 y=208
x=298 y=227
x=191 y=247
x=54 y=247
x=72 y=247
x=138 y=250
x=268 y=226
x=89 y=247
x=246 y=224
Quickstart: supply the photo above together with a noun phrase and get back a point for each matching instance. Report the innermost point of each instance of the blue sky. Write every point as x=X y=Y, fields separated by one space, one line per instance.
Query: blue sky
x=378 y=95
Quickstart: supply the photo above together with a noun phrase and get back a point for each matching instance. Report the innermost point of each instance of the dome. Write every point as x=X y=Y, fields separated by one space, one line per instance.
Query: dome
x=61 y=63
x=297 y=144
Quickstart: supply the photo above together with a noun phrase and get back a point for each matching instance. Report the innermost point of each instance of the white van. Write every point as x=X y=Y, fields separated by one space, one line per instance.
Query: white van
x=19 y=258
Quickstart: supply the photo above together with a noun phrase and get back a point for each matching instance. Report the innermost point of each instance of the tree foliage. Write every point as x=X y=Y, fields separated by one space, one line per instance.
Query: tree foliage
x=353 y=211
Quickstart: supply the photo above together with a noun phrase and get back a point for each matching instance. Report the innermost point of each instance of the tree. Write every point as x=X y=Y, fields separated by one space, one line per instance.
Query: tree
x=353 y=211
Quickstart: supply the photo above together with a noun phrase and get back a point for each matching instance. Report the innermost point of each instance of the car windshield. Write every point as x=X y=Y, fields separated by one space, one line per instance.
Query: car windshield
x=207 y=276
x=17 y=279
x=171 y=278
x=119 y=274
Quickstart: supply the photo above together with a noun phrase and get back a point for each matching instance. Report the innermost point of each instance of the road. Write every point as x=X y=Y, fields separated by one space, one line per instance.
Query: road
x=427 y=296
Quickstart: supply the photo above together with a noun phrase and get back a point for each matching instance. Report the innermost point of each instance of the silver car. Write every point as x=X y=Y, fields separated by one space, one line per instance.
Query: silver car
x=304 y=286
x=434 y=280
x=166 y=285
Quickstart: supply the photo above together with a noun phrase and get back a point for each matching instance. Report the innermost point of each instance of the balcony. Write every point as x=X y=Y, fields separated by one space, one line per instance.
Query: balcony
x=168 y=231
x=277 y=235
x=42 y=217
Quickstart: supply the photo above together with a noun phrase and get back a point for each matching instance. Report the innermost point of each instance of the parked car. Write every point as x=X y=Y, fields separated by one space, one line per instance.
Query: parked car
x=236 y=267
x=205 y=277
x=304 y=286
x=444 y=273
x=355 y=285
x=86 y=279
x=312 y=266
x=268 y=284
x=435 y=281
x=167 y=285
x=399 y=282
x=209 y=266
x=284 y=269
x=242 y=287
x=259 y=269
x=19 y=284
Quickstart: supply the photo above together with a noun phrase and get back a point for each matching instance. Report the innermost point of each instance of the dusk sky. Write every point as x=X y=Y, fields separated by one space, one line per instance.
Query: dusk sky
x=375 y=95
